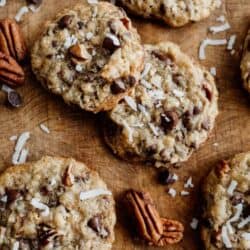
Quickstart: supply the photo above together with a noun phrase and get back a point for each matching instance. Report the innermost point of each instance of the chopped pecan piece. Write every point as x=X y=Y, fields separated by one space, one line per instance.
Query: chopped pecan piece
x=154 y=229
x=68 y=178
x=169 y=120
x=11 y=40
x=96 y=224
x=10 y=71
x=79 y=52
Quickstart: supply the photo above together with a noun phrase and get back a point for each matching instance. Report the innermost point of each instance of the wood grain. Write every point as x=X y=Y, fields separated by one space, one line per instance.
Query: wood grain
x=78 y=134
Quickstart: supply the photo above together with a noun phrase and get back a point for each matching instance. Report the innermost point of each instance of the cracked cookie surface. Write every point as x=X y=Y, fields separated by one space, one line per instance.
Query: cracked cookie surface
x=169 y=114
x=245 y=63
x=175 y=13
x=91 y=56
x=226 y=211
x=55 y=203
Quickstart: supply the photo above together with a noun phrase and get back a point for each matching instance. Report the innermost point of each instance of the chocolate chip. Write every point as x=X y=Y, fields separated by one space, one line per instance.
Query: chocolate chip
x=162 y=9
x=167 y=58
x=65 y=21
x=110 y=44
x=44 y=233
x=54 y=43
x=120 y=85
x=246 y=210
x=196 y=110
x=80 y=25
x=95 y=224
x=165 y=177
x=169 y=120
x=14 y=99
x=36 y=2
x=116 y=88
x=208 y=92
x=12 y=195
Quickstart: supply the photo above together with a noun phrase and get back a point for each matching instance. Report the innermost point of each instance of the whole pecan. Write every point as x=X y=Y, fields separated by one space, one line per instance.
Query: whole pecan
x=11 y=39
x=154 y=229
x=10 y=71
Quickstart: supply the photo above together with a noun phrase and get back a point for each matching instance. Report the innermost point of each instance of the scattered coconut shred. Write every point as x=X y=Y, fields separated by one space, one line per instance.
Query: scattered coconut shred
x=90 y=194
x=209 y=42
x=20 y=154
x=44 y=128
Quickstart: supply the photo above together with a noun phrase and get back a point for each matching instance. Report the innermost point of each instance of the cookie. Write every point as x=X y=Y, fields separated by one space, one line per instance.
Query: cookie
x=90 y=55
x=245 y=63
x=169 y=114
x=55 y=203
x=226 y=215
x=175 y=13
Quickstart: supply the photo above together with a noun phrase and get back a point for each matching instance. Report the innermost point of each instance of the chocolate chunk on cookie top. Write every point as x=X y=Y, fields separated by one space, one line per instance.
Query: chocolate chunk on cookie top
x=175 y=13
x=55 y=203
x=91 y=56
x=226 y=208
x=245 y=63
x=170 y=113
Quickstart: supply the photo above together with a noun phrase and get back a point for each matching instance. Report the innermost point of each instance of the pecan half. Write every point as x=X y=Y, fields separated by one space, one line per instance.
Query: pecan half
x=172 y=232
x=11 y=39
x=154 y=229
x=11 y=72
x=79 y=52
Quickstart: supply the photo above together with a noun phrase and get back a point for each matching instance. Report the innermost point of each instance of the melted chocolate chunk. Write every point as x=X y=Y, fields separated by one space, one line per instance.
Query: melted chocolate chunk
x=167 y=58
x=45 y=234
x=14 y=99
x=237 y=198
x=12 y=195
x=65 y=21
x=110 y=45
x=169 y=120
x=165 y=177
x=246 y=210
x=208 y=92
x=125 y=22
x=36 y=2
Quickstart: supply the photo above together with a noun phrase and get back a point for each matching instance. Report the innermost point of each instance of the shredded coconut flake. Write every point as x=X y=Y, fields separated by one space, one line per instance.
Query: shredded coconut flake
x=13 y=138
x=131 y=102
x=89 y=35
x=153 y=129
x=231 y=42
x=213 y=71
x=145 y=84
x=194 y=223
x=21 y=12
x=23 y=156
x=146 y=70
x=143 y=110
x=2 y=3
x=178 y=93
x=15 y=245
x=78 y=68
x=244 y=222
x=184 y=193
x=23 y=138
x=175 y=177
x=236 y=217
x=39 y=205
x=220 y=28
x=156 y=94
x=93 y=193
x=44 y=128
x=211 y=42
x=93 y=1
x=232 y=187
x=172 y=192
x=225 y=238
x=6 y=88
x=156 y=80
x=69 y=41
x=4 y=199
x=129 y=130
x=221 y=19
x=189 y=183
x=246 y=236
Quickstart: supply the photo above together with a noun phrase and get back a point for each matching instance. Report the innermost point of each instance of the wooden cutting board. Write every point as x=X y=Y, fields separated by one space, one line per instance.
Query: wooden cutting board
x=78 y=134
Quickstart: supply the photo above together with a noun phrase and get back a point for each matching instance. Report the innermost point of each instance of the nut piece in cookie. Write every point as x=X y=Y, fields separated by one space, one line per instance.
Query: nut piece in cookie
x=170 y=113
x=91 y=56
x=155 y=230
x=226 y=213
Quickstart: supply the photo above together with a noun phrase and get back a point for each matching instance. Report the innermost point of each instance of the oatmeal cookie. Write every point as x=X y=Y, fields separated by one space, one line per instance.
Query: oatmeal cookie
x=55 y=203
x=169 y=114
x=226 y=215
x=175 y=13
x=90 y=55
